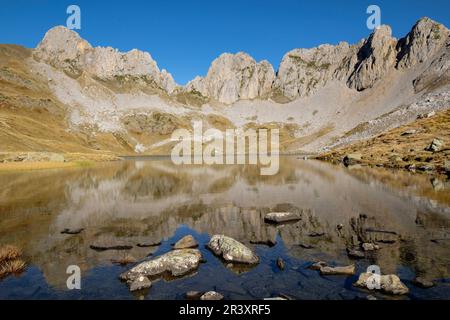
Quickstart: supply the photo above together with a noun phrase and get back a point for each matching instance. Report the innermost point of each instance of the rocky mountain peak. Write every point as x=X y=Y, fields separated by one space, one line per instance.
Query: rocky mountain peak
x=66 y=50
x=232 y=77
x=376 y=57
x=424 y=40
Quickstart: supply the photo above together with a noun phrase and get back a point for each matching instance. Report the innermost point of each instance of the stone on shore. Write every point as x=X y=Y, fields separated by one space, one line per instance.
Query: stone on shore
x=352 y=159
x=423 y=283
x=193 y=295
x=232 y=250
x=435 y=146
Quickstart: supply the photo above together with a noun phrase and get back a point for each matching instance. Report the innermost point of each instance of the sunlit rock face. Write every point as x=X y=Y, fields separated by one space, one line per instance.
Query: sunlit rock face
x=66 y=50
x=234 y=77
x=377 y=57
x=422 y=43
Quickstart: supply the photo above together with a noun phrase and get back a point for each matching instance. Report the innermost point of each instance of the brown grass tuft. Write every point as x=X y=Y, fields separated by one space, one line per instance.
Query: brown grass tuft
x=11 y=267
x=9 y=252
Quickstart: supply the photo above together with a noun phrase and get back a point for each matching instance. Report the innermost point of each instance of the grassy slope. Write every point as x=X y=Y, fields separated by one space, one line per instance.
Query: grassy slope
x=394 y=149
x=32 y=119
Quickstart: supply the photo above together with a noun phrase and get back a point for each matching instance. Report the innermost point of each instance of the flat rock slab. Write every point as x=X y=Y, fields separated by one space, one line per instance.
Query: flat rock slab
x=387 y=283
x=232 y=250
x=186 y=243
x=282 y=217
x=177 y=263
x=325 y=269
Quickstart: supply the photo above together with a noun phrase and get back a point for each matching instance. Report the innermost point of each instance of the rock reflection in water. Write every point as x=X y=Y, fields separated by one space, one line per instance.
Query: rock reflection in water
x=147 y=201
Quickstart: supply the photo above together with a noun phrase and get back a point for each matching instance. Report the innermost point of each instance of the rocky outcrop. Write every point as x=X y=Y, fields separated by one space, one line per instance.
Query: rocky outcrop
x=376 y=58
x=303 y=71
x=234 y=77
x=424 y=40
x=66 y=50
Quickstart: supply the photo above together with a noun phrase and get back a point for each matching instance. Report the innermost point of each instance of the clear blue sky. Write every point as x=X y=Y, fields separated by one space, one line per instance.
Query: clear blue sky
x=185 y=36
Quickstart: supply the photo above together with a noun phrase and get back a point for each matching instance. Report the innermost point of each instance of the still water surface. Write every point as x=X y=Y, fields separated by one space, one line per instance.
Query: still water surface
x=150 y=200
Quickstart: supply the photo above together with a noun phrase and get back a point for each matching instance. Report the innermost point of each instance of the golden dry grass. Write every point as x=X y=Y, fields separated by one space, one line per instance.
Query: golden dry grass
x=9 y=252
x=10 y=262
x=11 y=267
x=396 y=149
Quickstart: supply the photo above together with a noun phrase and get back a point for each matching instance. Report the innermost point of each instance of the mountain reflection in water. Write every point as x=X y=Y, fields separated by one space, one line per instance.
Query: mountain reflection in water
x=152 y=200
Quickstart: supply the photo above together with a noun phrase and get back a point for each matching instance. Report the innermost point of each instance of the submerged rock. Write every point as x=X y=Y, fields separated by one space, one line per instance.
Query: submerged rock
x=186 y=243
x=346 y=270
x=388 y=283
x=281 y=264
x=325 y=269
x=193 y=295
x=176 y=263
x=423 y=283
x=211 y=295
x=140 y=283
x=232 y=250
x=281 y=217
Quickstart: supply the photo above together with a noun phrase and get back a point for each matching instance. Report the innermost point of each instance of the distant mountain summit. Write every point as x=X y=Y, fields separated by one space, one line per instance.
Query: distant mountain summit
x=100 y=99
